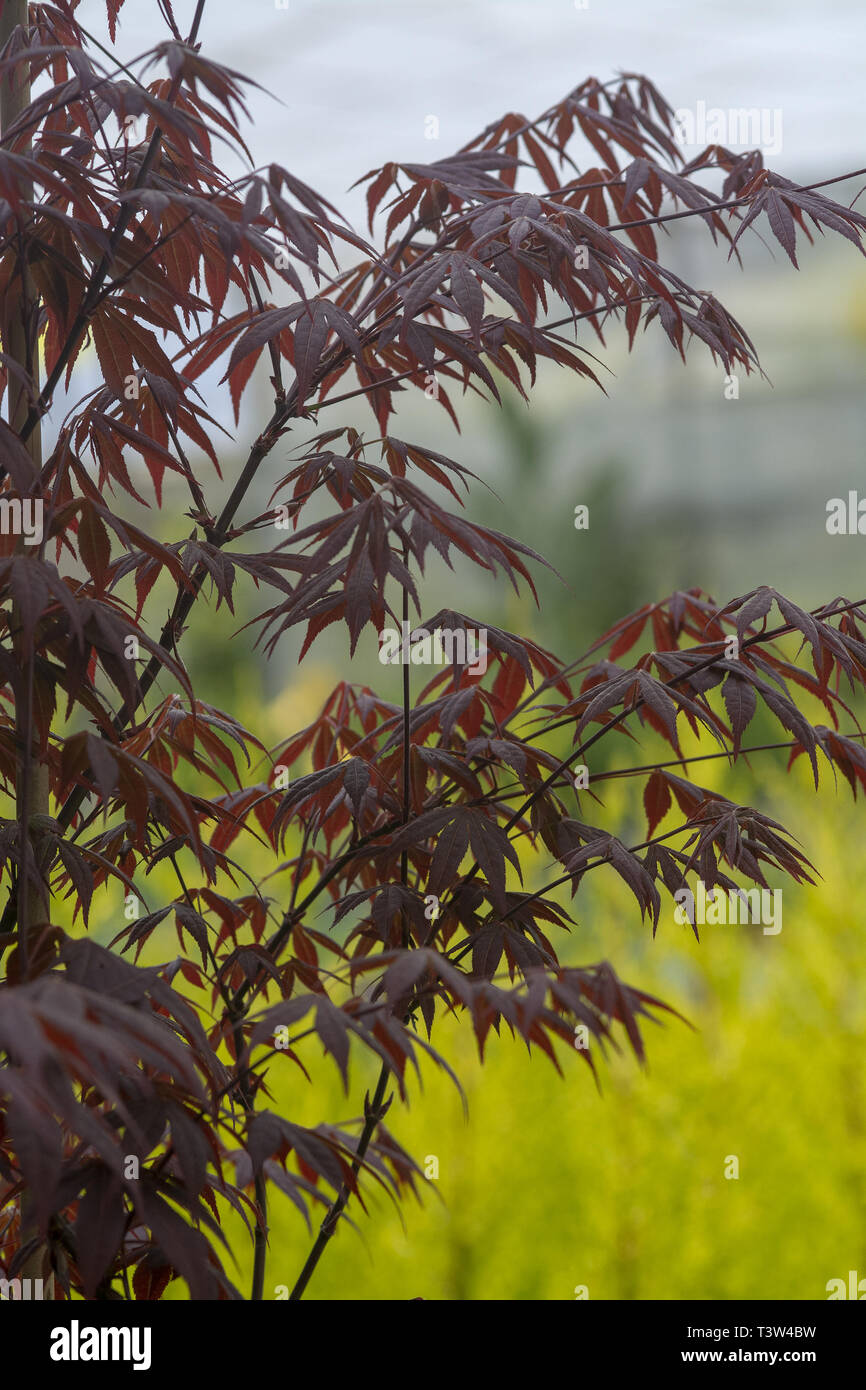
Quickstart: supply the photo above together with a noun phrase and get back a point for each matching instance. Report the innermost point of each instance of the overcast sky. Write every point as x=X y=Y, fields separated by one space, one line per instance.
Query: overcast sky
x=356 y=82
x=359 y=77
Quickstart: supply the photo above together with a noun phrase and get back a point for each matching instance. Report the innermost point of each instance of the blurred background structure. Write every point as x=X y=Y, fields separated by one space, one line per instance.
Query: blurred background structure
x=550 y=1187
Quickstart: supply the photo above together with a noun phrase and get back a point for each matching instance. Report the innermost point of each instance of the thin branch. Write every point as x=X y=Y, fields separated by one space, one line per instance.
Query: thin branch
x=375 y=1111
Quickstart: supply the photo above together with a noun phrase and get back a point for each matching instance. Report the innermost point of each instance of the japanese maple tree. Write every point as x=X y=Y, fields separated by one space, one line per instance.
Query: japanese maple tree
x=407 y=818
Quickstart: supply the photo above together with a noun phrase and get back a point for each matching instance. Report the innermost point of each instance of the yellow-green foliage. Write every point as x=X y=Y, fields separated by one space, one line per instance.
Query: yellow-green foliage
x=549 y=1185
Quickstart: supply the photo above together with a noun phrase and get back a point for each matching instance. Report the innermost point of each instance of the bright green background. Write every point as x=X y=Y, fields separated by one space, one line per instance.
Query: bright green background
x=549 y=1185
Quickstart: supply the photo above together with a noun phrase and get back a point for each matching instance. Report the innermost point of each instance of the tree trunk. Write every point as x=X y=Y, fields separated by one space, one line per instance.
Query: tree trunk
x=22 y=346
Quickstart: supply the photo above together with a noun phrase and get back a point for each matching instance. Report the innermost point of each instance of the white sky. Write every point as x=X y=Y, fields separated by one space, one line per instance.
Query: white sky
x=358 y=77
